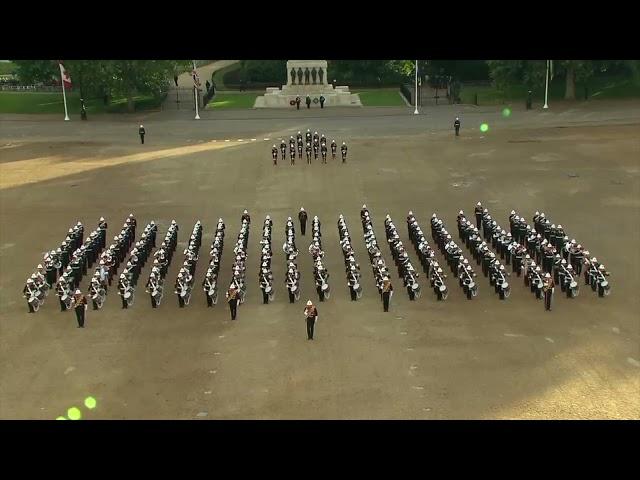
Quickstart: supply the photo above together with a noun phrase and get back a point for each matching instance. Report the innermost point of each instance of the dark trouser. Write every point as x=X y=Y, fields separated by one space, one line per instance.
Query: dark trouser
x=457 y=131
x=153 y=302
x=308 y=105
x=142 y=138
x=297 y=105
x=353 y=293
x=292 y=297
x=180 y=301
x=80 y=315
x=478 y=220
x=321 y=104
x=303 y=227
x=31 y=310
x=385 y=300
x=547 y=299
x=265 y=297
x=209 y=300
x=320 y=293
x=233 y=305
x=311 y=322
x=124 y=302
x=63 y=306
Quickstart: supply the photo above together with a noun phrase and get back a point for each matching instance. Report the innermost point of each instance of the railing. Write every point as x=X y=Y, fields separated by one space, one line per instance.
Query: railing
x=33 y=88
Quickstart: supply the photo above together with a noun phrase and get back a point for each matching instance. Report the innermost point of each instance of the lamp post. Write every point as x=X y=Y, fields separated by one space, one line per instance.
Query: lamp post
x=415 y=112
x=195 y=89
x=546 y=87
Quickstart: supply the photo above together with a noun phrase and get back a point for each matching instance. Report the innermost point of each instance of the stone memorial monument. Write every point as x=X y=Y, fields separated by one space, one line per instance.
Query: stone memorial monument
x=307 y=77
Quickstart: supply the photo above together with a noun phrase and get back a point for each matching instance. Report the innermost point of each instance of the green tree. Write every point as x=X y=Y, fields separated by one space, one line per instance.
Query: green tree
x=87 y=76
x=35 y=71
x=132 y=77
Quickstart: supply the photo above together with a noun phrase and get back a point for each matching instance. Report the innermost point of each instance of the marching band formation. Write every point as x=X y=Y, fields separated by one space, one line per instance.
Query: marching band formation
x=312 y=143
x=542 y=254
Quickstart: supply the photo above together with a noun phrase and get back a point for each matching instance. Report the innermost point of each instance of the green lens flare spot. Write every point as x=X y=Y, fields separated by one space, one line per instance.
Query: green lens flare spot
x=484 y=127
x=61 y=418
x=90 y=403
x=74 y=413
x=506 y=112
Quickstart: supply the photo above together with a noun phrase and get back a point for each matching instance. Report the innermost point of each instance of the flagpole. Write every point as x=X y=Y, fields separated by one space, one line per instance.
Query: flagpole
x=64 y=95
x=195 y=92
x=546 y=88
x=415 y=112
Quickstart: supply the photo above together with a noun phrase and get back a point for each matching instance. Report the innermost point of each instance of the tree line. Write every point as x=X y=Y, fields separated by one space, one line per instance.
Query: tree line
x=106 y=78
x=128 y=78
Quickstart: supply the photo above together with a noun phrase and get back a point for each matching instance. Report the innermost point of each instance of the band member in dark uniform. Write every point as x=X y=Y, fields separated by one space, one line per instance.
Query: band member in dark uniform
x=283 y=149
x=292 y=150
x=334 y=148
x=308 y=153
x=274 y=155
x=245 y=216
x=308 y=100
x=102 y=228
x=478 y=212
x=298 y=102
x=323 y=149
x=456 y=125
x=315 y=150
x=547 y=288
x=343 y=149
x=142 y=132
x=302 y=216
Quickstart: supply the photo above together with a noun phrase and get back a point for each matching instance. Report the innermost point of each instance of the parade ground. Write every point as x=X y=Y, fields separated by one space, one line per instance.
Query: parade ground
x=455 y=359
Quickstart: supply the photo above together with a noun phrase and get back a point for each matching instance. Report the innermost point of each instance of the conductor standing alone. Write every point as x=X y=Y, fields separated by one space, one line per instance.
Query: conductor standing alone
x=456 y=125
x=232 y=299
x=80 y=304
x=302 y=216
x=311 y=314
x=141 y=132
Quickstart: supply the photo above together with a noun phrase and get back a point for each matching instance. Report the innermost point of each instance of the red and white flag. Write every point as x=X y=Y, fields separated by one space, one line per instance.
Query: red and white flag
x=66 y=79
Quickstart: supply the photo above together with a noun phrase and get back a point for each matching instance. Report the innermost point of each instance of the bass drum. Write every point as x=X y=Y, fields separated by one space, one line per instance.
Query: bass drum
x=35 y=303
x=326 y=290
